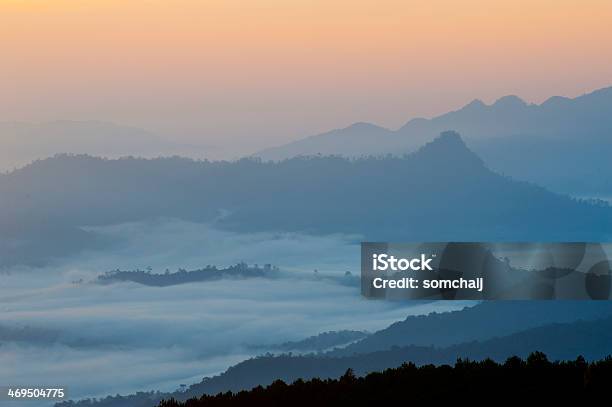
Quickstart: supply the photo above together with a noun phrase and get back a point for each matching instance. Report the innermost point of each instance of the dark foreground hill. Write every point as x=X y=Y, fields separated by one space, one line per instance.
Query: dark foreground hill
x=443 y=192
x=467 y=382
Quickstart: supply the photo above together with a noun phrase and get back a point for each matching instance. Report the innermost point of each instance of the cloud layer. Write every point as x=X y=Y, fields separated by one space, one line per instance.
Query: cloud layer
x=80 y=335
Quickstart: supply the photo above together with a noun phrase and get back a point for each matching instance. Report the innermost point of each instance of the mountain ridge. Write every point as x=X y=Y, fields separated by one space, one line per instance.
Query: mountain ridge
x=589 y=338
x=315 y=195
x=475 y=106
x=530 y=142
x=25 y=142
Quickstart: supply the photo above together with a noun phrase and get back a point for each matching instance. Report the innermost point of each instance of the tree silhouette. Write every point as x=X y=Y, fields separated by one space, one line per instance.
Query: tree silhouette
x=515 y=380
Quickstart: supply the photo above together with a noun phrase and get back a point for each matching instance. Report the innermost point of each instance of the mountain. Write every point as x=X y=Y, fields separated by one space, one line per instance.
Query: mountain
x=591 y=339
x=486 y=320
x=560 y=341
x=442 y=192
x=357 y=140
x=24 y=142
x=319 y=343
x=563 y=143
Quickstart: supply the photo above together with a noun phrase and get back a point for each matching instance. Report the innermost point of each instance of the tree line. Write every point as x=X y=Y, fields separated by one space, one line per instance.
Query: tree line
x=476 y=382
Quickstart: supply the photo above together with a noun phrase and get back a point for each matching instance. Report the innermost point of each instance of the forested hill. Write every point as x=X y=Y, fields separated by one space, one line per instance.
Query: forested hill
x=592 y=339
x=209 y=273
x=319 y=343
x=484 y=321
x=441 y=192
x=467 y=382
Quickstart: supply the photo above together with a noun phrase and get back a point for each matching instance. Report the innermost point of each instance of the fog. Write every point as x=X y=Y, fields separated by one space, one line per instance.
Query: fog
x=105 y=339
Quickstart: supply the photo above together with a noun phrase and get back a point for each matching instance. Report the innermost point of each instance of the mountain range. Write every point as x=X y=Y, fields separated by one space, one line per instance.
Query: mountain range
x=591 y=339
x=484 y=321
x=442 y=192
x=561 y=329
x=563 y=144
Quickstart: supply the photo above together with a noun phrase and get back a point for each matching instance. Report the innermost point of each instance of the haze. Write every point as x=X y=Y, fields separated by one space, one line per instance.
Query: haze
x=236 y=77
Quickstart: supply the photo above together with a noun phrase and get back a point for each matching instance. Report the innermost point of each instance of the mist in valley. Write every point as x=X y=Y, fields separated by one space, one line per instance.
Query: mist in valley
x=59 y=325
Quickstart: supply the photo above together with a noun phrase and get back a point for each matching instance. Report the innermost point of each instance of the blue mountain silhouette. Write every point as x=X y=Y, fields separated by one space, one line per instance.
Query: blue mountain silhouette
x=442 y=192
x=563 y=143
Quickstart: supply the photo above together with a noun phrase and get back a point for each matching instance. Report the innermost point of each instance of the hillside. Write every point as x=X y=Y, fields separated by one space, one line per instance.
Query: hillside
x=483 y=321
x=395 y=198
x=319 y=343
x=560 y=341
x=592 y=339
x=516 y=380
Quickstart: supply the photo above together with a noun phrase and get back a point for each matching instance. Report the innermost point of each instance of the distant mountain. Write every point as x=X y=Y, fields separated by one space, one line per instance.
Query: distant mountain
x=24 y=142
x=563 y=143
x=357 y=140
x=483 y=321
x=442 y=192
x=319 y=343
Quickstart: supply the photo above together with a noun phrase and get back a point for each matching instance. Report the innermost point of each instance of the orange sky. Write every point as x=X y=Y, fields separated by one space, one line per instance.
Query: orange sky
x=247 y=74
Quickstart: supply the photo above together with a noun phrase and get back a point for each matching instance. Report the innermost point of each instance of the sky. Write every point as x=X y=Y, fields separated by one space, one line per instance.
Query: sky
x=239 y=76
